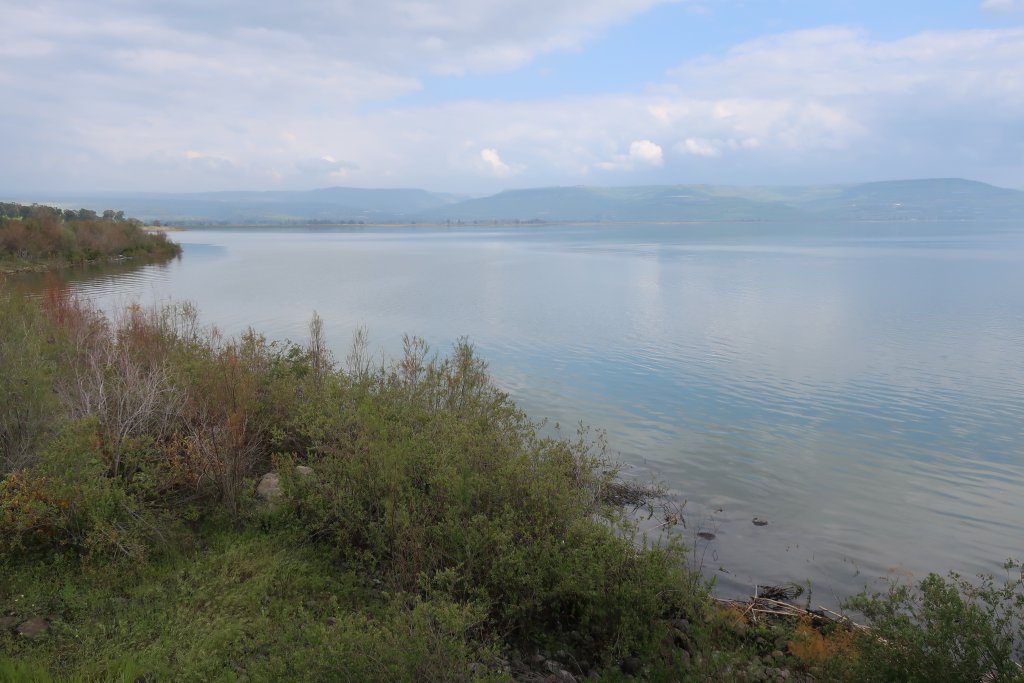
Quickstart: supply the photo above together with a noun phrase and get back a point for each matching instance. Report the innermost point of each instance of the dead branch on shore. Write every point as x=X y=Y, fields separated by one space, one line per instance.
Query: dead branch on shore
x=760 y=605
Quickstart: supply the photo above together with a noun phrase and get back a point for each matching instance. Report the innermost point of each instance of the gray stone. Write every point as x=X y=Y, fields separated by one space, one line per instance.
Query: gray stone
x=558 y=673
x=269 y=488
x=36 y=626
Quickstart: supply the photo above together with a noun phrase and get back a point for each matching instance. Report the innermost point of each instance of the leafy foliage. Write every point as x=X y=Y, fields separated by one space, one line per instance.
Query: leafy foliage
x=34 y=233
x=439 y=535
x=945 y=630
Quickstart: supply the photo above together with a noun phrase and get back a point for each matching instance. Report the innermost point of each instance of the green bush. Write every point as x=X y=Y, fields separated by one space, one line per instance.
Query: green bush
x=67 y=500
x=944 y=630
x=28 y=406
x=430 y=477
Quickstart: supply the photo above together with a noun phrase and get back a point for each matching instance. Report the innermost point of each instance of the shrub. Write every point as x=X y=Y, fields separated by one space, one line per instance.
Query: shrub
x=27 y=404
x=432 y=478
x=68 y=501
x=945 y=630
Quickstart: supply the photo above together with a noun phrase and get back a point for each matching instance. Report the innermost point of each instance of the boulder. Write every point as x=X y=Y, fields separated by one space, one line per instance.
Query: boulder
x=36 y=626
x=269 y=488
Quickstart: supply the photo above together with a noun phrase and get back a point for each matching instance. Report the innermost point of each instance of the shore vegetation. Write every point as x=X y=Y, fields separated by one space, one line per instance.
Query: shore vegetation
x=179 y=505
x=40 y=237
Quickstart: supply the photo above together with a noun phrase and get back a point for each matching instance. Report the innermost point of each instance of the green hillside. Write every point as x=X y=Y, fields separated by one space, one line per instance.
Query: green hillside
x=654 y=203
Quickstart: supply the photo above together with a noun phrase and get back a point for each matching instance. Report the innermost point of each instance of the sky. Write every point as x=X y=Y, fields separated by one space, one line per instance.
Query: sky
x=477 y=96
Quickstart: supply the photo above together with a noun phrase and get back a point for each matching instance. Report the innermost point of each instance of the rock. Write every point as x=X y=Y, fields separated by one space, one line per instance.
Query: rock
x=631 y=666
x=760 y=522
x=706 y=535
x=8 y=623
x=682 y=624
x=36 y=626
x=778 y=655
x=536 y=660
x=269 y=488
x=558 y=673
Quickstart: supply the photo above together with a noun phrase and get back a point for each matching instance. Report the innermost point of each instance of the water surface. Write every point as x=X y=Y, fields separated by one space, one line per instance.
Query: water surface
x=861 y=387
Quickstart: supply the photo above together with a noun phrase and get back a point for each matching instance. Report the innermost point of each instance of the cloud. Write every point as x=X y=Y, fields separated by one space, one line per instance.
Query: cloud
x=1003 y=5
x=125 y=84
x=642 y=154
x=703 y=147
x=324 y=165
x=110 y=95
x=645 y=152
x=495 y=166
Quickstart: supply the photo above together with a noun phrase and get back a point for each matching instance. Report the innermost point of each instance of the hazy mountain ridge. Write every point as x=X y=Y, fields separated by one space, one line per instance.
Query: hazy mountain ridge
x=899 y=200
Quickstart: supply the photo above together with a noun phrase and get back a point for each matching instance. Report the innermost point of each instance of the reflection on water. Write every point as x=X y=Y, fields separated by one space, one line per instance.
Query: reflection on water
x=860 y=387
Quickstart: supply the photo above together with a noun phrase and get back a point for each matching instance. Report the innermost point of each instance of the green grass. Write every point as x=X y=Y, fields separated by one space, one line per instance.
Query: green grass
x=247 y=606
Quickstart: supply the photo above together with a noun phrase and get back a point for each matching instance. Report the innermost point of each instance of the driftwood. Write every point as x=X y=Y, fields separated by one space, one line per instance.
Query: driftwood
x=764 y=602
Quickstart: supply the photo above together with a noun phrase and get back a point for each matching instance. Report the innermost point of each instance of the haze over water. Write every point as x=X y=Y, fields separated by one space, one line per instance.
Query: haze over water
x=861 y=387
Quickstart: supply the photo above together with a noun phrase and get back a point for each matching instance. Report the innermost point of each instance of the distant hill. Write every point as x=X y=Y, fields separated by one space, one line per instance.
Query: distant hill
x=899 y=200
x=332 y=204
x=655 y=203
x=937 y=199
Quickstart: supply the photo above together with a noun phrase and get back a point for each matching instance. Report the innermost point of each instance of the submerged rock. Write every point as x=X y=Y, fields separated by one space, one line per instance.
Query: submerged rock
x=760 y=522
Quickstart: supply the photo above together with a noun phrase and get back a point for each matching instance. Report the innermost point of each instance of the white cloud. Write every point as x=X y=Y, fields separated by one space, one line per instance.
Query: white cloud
x=494 y=165
x=642 y=154
x=701 y=147
x=108 y=95
x=645 y=152
x=1003 y=5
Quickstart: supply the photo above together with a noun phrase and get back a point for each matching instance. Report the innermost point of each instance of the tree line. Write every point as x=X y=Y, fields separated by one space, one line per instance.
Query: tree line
x=37 y=233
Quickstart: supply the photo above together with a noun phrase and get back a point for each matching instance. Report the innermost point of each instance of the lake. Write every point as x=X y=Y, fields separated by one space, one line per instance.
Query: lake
x=860 y=387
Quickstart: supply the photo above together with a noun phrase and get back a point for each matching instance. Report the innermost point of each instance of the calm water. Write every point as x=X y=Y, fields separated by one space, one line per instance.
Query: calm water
x=860 y=387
